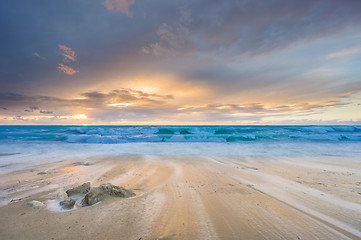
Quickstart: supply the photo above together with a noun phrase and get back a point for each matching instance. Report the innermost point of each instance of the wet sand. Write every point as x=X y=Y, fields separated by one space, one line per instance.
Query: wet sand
x=190 y=197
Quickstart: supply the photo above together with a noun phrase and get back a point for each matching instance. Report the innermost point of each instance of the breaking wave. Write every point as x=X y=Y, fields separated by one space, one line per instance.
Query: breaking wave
x=128 y=134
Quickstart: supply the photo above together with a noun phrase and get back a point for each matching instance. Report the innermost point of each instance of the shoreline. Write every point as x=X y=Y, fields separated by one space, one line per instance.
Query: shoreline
x=194 y=197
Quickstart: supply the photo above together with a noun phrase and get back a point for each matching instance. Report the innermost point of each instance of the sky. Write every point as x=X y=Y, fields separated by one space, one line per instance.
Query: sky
x=190 y=62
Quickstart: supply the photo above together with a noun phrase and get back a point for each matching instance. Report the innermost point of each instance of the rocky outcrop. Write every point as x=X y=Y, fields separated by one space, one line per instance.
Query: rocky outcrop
x=82 y=189
x=67 y=204
x=62 y=195
x=97 y=194
x=36 y=204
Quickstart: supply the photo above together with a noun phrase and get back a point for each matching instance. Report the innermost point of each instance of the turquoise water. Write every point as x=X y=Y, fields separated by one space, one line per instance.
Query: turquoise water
x=129 y=134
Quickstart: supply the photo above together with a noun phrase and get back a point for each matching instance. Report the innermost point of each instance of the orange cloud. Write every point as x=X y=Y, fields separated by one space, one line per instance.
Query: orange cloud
x=66 y=69
x=120 y=5
x=67 y=53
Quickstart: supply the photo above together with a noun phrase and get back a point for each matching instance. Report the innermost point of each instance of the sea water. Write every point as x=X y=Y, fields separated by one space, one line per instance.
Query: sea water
x=22 y=146
x=157 y=134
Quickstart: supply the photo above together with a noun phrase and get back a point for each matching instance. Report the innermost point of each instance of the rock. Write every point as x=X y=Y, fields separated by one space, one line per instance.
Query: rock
x=61 y=196
x=97 y=194
x=82 y=189
x=36 y=204
x=118 y=191
x=67 y=204
x=41 y=173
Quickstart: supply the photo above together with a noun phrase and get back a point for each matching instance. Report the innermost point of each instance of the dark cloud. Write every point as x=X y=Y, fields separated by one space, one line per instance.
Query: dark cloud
x=252 y=52
x=103 y=38
x=91 y=100
x=236 y=27
x=46 y=112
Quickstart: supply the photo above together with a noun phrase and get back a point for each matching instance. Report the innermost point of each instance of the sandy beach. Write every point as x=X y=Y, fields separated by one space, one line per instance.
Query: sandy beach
x=180 y=120
x=189 y=197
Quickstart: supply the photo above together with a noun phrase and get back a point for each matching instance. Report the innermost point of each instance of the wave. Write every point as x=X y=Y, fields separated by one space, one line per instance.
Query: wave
x=157 y=134
x=327 y=129
x=332 y=137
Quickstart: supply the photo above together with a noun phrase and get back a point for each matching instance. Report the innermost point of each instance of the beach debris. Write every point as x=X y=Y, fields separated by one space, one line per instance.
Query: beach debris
x=62 y=195
x=41 y=173
x=15 y=200
x=98 y=194
x=67 y=204
x=36 y=204
x=82 y=189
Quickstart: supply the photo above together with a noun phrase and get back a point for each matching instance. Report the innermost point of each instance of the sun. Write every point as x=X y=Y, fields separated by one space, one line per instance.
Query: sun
x=79 y=116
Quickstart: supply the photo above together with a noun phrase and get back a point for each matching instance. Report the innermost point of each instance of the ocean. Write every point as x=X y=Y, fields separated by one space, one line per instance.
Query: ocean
x=159 y=134
x=22 y=146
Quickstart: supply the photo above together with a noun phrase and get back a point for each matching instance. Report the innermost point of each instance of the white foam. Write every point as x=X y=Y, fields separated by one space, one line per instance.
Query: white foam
x=34 y=154
x=328 y=137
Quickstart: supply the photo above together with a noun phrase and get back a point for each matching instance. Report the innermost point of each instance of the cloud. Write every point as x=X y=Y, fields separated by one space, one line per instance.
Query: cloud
x=68 y=54
x=19 y=118
x=344 y=53
x=92 y=99
x=131 y=105
x=46 y=112
x=66 y=69
x=120 y=5
x=38 y=55
x=125 y=97
x=172 y=38
x=69 y=57
x=225 y=53
x=36 y=110
x=31 y=109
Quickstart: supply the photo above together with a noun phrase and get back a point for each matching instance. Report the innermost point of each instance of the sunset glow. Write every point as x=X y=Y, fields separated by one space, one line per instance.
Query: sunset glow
x=120 y=104
x=235 y=63
x=184 y=119
x=79 y=116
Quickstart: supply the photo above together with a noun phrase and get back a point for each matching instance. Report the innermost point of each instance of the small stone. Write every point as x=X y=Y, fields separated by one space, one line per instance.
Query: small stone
x=36 y=204
x=67 y=204
x=61 y=196
x=41 y=173
x=82 y=189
